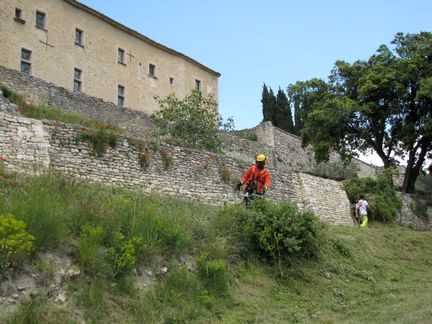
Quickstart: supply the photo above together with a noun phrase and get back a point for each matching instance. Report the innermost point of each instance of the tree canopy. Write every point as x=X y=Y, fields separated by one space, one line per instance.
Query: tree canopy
x=277 y=109
x=382 y=104
x=191 y=122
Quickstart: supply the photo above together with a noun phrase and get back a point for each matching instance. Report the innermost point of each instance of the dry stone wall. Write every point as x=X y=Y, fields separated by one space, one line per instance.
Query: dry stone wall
x=36 y=90
x=24 y=142
x=320 y=194
x=28 y=144
x=408 y=217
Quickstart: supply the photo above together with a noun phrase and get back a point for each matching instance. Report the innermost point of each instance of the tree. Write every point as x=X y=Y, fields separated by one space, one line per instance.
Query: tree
x=268 y=101
x=283 y=117
x=383 y=104
x=302 y=96
x=192 y=122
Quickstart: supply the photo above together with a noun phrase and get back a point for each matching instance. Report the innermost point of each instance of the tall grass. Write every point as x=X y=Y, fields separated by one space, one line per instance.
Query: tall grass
x=378 y=274
x=55 y=209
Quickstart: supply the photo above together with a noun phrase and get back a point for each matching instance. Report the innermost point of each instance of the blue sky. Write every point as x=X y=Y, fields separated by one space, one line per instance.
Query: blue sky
x=275 y=41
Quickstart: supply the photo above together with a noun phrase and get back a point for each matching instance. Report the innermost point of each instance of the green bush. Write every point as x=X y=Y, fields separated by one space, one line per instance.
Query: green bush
x=191 y=122
x=383 y=200
x=15 y=242
x=281 y=232
x=225 y=173
x=277 y=231
x=335 y=170
x=102 y=137
x=123 y=253
x=90 y=248
x=214 y=273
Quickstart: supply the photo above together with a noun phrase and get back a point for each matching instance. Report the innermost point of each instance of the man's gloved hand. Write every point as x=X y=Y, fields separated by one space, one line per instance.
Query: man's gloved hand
x=239 y=184
x=265 y=190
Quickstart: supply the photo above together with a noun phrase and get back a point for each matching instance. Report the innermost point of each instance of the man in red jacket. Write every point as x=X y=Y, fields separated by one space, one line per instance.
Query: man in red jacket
x=257 y=177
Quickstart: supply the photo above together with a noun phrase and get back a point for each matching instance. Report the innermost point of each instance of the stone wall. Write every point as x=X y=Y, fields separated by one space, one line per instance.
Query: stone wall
x=24 y=143
x=320 y=192
x=136 y=123
x=28 y=144
x=407 y=216
x=284 y=151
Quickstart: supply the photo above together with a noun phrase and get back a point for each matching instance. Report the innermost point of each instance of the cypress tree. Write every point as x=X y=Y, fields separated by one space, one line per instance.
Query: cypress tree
x=283 y=115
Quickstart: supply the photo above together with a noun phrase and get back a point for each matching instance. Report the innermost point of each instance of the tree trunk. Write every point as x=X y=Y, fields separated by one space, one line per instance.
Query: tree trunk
x=413 y=168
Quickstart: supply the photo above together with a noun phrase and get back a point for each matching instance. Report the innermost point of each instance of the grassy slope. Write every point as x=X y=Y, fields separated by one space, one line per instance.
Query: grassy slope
x=379 y=274
x=384 y=276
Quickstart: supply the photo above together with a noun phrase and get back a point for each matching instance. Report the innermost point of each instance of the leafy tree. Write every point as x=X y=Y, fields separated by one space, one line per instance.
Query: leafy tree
x=383 y=104
x=282 y=117
x=302 y=96
x=192 y=122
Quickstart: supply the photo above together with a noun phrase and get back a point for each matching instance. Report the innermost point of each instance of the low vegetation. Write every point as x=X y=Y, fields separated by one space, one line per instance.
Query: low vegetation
x=335 y=170
x=383 y=200
x=44 y=111
x=268 y=264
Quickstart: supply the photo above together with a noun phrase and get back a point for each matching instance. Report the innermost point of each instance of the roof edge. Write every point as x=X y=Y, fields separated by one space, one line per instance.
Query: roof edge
x=136 y=34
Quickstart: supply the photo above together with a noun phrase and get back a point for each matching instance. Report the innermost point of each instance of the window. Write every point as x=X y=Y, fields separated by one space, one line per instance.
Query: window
x=77 y=80
x=121 y=96
x=25 y=61
x=121 y=56
x=171 y=80
x=197 y=85
x=152 y=71
x=40 y=19
x=79 y=36
x=18 y=15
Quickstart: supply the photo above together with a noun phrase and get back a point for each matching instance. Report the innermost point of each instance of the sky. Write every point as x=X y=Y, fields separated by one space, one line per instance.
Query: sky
x=276 y=42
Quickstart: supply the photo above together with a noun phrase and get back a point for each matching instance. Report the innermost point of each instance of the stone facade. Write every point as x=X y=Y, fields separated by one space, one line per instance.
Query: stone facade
x=55 y=51
x=28 y=144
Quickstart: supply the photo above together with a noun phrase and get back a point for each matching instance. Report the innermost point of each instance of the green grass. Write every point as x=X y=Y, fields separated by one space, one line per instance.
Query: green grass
x=43 y=111
x=380 y=274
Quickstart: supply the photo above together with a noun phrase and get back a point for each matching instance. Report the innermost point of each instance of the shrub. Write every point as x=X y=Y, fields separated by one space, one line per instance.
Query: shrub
x=276 y=231
x=100 y=138
x=15 y=242
x=167 y=159
x=335 y=170
x=214 y=273
x=382 y=197
x=90 y=247
x=250 y=135
x=192 y=122
x=144 y=158
x=225 y=173
x=281 y=232
x=123 y=253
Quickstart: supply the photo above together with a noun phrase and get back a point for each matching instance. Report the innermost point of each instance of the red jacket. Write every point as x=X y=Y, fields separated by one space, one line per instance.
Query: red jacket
x=261 y=178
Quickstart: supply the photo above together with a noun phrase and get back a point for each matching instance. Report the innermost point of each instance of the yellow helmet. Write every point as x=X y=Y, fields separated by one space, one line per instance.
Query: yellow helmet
x=261 y=158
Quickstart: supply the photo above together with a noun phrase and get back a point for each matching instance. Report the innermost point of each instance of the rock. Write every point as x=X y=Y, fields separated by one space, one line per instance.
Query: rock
x=21 y=287
x=73 y=272
x=61 y=298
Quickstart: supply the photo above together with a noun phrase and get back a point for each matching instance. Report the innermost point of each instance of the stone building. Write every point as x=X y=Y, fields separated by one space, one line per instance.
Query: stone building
x=76 y=47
